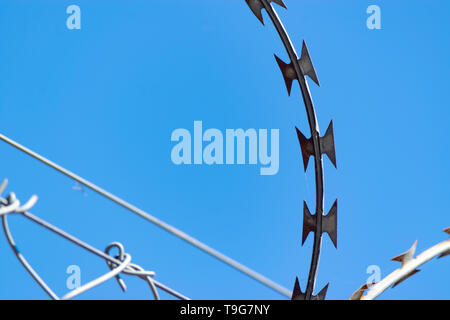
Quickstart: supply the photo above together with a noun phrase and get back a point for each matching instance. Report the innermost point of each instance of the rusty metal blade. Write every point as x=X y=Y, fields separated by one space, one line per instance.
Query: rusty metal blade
x=327 y=144
x=297 y=293
x=306 y=147
x=307 y=66
x=279 y=2
x=309 y=222
x=447 y=231
x=288 y=73
x=405 y=277
x=322 y=294
x=406 y=256
x=329 y=223
x=357 y=295
x=256 y=6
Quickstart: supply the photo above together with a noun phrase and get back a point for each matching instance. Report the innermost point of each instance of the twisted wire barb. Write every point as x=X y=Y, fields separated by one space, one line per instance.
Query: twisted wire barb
x=135 y=269
x=119 y=264
x=315 y=146
x=167 y=227
x=408 y=269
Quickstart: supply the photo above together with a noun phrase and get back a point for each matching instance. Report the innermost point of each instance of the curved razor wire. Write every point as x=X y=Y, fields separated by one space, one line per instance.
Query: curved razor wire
x=315 y=146
x=119 y=264
x=408 y=269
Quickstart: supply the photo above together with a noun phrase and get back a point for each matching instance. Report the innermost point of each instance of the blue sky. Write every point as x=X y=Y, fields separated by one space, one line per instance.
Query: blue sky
x=104 y=100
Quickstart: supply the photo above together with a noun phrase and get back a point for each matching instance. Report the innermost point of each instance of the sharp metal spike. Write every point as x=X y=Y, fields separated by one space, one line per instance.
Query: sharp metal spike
x=405 y=277
x=357 y=295
x=309 y=222
x=297 y=293
x=327 y=144
x=307 y=66
x=306 y=146
x=407 y=256
x=256 y=6
x=329 y=224
x=288 y=73
x=321 y=295
x=280 y=3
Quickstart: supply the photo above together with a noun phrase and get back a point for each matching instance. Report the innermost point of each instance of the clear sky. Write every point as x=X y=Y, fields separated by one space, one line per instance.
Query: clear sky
x=104 y=100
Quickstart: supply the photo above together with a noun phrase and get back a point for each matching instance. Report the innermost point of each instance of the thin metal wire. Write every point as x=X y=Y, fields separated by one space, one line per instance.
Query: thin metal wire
x=114 y=272
x=24 y=261
x=95 y=251
x=11 y=205
x=176 y=232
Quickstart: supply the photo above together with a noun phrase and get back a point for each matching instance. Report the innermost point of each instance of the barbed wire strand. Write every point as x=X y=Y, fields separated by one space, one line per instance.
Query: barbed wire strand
x=167 y=227
x=11 y=206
